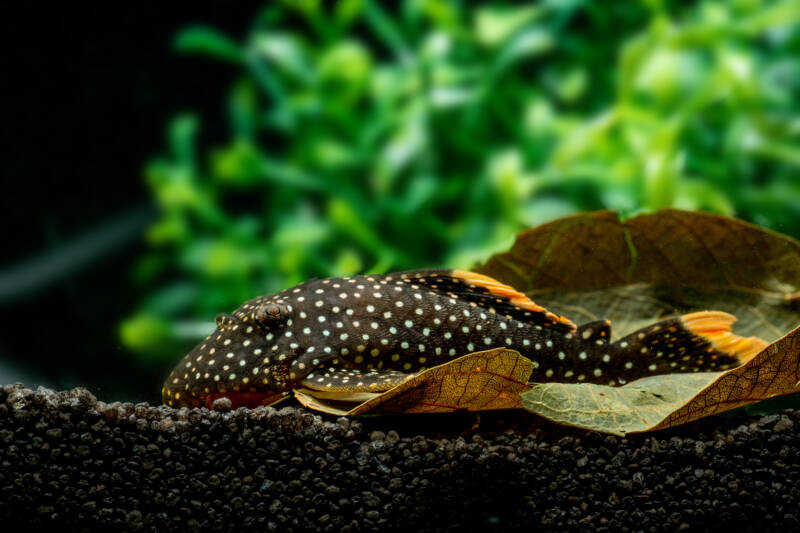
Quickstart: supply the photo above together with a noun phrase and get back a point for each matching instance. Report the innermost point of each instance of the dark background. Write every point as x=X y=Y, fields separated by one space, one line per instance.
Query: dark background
x=87 y=91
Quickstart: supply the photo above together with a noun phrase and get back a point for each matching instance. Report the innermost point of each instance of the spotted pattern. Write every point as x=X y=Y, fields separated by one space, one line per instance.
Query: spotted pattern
x=367 y=333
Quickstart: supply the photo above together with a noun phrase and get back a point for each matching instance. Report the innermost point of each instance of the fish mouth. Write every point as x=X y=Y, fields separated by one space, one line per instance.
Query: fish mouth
x=251 y=400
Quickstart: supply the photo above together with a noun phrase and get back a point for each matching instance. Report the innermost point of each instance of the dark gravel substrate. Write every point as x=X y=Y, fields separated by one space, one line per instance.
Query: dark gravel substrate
x=70 y=462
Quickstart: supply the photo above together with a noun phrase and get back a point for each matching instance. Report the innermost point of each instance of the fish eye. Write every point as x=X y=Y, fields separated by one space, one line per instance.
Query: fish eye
x=267 y=315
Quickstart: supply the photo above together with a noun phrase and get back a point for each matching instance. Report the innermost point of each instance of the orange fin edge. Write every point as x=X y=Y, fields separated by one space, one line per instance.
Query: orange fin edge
x=716 y=327
x=516 y=297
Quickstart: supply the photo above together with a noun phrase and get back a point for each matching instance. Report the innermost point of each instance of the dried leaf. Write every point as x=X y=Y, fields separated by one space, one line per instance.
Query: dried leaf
x=480 y=381
x=660 y=402
x=595 y=266
x=638 y=406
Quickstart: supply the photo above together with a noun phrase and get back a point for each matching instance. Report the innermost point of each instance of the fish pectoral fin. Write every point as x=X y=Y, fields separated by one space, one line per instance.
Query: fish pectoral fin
x=488 y=293
x=343 y=380
x=350 y=397
x=337 y=390
x=306 y=400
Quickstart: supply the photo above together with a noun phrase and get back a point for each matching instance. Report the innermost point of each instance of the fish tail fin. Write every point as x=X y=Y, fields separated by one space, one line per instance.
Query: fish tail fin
x=715 y=328
x=694 y=342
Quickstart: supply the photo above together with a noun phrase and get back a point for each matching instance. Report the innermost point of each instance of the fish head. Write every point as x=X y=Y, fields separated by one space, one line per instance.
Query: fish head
x=248 y=358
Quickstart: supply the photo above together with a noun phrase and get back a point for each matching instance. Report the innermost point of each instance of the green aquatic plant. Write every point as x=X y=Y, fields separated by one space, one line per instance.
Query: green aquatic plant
x=366 y=137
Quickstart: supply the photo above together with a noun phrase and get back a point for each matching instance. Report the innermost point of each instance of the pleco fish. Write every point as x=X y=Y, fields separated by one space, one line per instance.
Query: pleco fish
x=349 y=338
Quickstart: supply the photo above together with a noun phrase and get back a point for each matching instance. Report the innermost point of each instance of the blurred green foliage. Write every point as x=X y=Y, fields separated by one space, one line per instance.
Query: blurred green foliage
x=369 y=136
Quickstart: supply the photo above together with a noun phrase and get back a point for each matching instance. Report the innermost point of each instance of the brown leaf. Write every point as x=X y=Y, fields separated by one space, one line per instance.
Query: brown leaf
x=595 y=266
x=480 y=381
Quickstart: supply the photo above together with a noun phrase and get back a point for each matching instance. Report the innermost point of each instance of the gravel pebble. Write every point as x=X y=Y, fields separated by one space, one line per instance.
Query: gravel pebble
x=69 y=462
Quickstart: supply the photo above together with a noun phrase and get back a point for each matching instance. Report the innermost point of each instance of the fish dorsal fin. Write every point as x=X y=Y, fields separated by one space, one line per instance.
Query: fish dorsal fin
x=338 y=380
x=488 y=293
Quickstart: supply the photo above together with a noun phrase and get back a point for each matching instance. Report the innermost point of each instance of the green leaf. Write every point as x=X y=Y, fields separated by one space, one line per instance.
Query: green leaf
x=286 y=52
x=347 y=61
x=494 y=26
x=182 y=133
x=385 y=28
x=145 y=333
x=205 y=40
x=637 y=406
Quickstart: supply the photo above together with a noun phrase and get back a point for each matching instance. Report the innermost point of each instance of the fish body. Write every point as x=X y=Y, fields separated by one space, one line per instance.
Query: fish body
x=350 y=337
